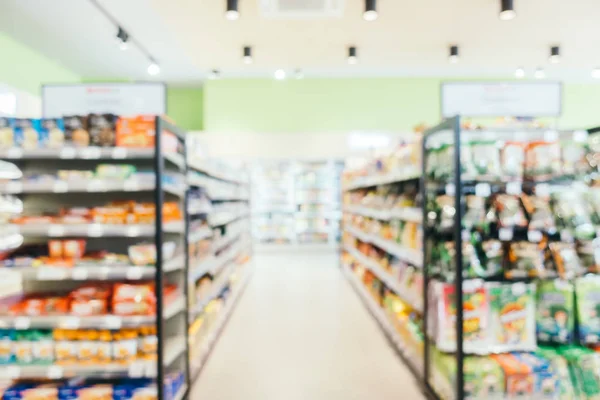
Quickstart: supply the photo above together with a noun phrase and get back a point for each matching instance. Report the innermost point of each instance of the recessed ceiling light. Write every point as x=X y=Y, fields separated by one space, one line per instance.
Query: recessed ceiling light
x=554 y=55
x=370 y=13
x=539 y=73
x=596 y=73
x=453 y=54
x=352 y=57
x=153 y=68
x=280 y=74
x=507 y=10
x=232 y=12
x=520 y=73
x=247 y=55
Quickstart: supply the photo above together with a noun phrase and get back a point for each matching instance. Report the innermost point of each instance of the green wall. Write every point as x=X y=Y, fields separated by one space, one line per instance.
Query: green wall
x=25 y=69
x=185 y=107
x=342 y=105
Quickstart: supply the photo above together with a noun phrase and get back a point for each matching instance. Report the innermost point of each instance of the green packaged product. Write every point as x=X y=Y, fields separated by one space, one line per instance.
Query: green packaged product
x=585 y=365
x=561 y=369
x=555 y=312
x=512 y=313
x=587 y=298
x=484 y=379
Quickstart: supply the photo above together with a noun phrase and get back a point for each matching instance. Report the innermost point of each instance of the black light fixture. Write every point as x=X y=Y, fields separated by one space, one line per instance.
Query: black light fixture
x=232 y=13
x=554 y=55
x=352 y=57
x=122 y=38
x=453 y=55
x=507 y=10
x=370 y=13
x=247 y=58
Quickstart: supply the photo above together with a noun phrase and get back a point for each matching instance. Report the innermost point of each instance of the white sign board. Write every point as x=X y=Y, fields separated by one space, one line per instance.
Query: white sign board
x=501 y=99
x=114 y=98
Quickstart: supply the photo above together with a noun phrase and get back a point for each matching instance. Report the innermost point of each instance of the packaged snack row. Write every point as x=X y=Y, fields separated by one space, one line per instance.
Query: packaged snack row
x=83 y=346
x=383 y=198
x=405 y=233
x=497 y=160
x=124 y=299
x=103 y=130
x=71 y=253
x=115 y=212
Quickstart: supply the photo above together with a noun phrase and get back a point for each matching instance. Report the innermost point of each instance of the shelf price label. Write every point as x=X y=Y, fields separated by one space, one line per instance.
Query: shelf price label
x=54 y=372
x=514 y=188
x=67 y=153
x=131 y=185
x=22 y=323
x=60 y=187
x=14 y=152
x=113 y=322
x=96 y=185
x=534 y=236
x=119 y=153
x=483 y=190
x=134 y=273
x=70 y=323
x=91 y=152
x=13 y=372
x=95 y=230
x=505 y=234
x=79 y=274
x=136 y=369
x=14 y=187
x=56 y=230
x=450 y=189
x=542 y=190
x=51 y=274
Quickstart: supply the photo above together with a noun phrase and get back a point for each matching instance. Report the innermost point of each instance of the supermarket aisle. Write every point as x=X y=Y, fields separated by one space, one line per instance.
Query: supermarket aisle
x=300 y=332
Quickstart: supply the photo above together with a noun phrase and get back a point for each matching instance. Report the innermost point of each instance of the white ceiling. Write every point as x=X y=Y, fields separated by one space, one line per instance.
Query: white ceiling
x=410 y=38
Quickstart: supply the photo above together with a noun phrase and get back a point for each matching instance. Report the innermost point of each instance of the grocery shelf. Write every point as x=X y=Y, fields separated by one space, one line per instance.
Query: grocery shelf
x=198 y=308
x=213 y=172
x=212 y=264
x=416 y=302
x=95 y=230
x=202 y=233
x=211 y=338
x=89 y=186
x=412 y=256
x=89 y=322
x=405 y=174
x=224 y=218
x=226 y=241
x=409 y=214
x=411 y=358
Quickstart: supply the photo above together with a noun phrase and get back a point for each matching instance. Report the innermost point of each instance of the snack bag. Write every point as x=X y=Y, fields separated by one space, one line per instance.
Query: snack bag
x=566 y=260
x=519 y=379
x=542 y=160
x=555 y=311
x=509 y=211
x=587 y=298
x=52 y=132
x=485 y=160
x=513 y=160
x=7 y=136
x=585 y=365
x=492 y=257
x=573 y=154
x=76 y=131
x=475 y=215
x=560 y=368
x=484 y=379
x=526 y=259
x=7 y=337
x=136 y=131
x=27 y=133
x=574 y=213
x=541 y=217
x=512 y=316
x=102 y=129
x=546 y=382
x=589 y=254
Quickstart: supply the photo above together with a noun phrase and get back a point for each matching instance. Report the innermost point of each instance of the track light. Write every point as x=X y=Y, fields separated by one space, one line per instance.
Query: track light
x=352 y=57
x=554 y=55
x=153 y=68
x=122 y=38
x=453 y=55
x=507 y=10
x=596 y=73
x=232 y=12
x=520 y=73
x=280 y=74
x=298 y=74
x=370 y=13
x=539 y=73
x=247 y=55
x=214 y=74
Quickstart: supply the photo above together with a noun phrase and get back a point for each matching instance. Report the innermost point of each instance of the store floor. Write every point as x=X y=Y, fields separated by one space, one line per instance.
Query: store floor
x=300 y=332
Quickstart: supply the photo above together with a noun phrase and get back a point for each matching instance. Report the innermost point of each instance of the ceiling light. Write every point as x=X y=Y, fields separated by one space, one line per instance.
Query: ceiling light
x=214 y=74
x=352 y=57
x=153 y=68
x=370 y=13
x=247 y=55
x=539 y=73
x=554 y=55
x=507 y=10
x=232 y=12
x=520 y=73
x=122 y=38
x=298 y=74
x=280 y=74
x=596 y=73
x=453 y=56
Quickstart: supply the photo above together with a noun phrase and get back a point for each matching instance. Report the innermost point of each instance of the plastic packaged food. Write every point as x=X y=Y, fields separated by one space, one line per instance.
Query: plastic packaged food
x=134 y=299
x=542 y=160
x=526 y=259
x=541 y=217
x=27 y=133
x=573 y=213
x=589 y=254
x=115 y=171
x=53 y=132
x=513 y=160
x=145 y=254
x=102 y=129
x=65 y=351
x=587 y=298
x=509 y=211
x=555 y=311
x=484 y=379
x=566 y=260
x=7 y=137
x=520 y=382
x=573 y=155
x=485 y=160
x=125 y=346
x=74 y=175
x=136 y=131
x=76 y=131
x=7 y=337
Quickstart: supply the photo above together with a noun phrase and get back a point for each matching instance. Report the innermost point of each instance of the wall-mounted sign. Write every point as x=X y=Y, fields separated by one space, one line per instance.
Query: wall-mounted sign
x=114 y=98
x=501 y=99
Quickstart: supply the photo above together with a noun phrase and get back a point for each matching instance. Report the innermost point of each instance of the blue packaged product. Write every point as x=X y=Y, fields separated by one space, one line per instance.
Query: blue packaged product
x=546 y=382
x=52 y=132
x=27 y=133
x=7 y=337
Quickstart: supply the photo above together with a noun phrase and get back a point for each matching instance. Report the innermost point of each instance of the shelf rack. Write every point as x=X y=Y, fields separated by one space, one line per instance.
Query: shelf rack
x=171 y=342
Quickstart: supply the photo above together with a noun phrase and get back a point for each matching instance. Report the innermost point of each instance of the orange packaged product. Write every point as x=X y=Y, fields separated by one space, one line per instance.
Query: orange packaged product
x=87 y=349
x=65 y=351
x=144 y=213
x=33 y=220
x=88 y=307
x=134 y=299
x=127 y=205
x=136 y=131
x=171 y=211
x=104 y=354
x=109 y=215
x=125 y=346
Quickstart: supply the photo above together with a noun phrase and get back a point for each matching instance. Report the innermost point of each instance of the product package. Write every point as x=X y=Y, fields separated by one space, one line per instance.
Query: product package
x=555 y=311
x=574 y=213
x=509 y=211
x=589 y=254
x=492 y=255
x=7 y=136
x=573 y=155
x=512 y=316
x=484 y=162
x=102 y=129
x=27 y=133
x=53 y=132
x=546 y=384
x=136 y=131
x=484 y=379
x=519 y=378
x=526 y=259
x=76 y=131
x=585 y=367
x=542 y=160
x=587 y=298
x=560 y=368
x=540 y=215
x=513 y=160
x=567 y=262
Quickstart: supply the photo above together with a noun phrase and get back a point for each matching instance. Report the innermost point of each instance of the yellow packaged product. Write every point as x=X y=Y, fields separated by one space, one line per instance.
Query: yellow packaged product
x=125 y=346
x=148 y=342
x=64 y=347
x=104 y=347
x=87 y=349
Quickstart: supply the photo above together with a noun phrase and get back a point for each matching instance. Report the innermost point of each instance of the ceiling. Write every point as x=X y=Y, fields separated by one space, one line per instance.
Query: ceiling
x=410 y=38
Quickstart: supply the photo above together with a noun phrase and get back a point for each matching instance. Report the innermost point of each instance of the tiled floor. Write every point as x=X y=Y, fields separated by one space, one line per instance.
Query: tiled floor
x=301 y=333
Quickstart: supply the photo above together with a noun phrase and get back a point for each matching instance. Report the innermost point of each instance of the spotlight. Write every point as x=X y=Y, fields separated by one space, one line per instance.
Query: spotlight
x=298 y=74
x=352 y=57
x=453 y=56
x=507 y=10
x=554 y=55
x=280 y=74
x=539 y=73
x=232 y=12
x=596 y=73
x=370 y=13
x=247 y=55
x=520 y=73
x=214 y=74
x=153 y=68
x=122 y=38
